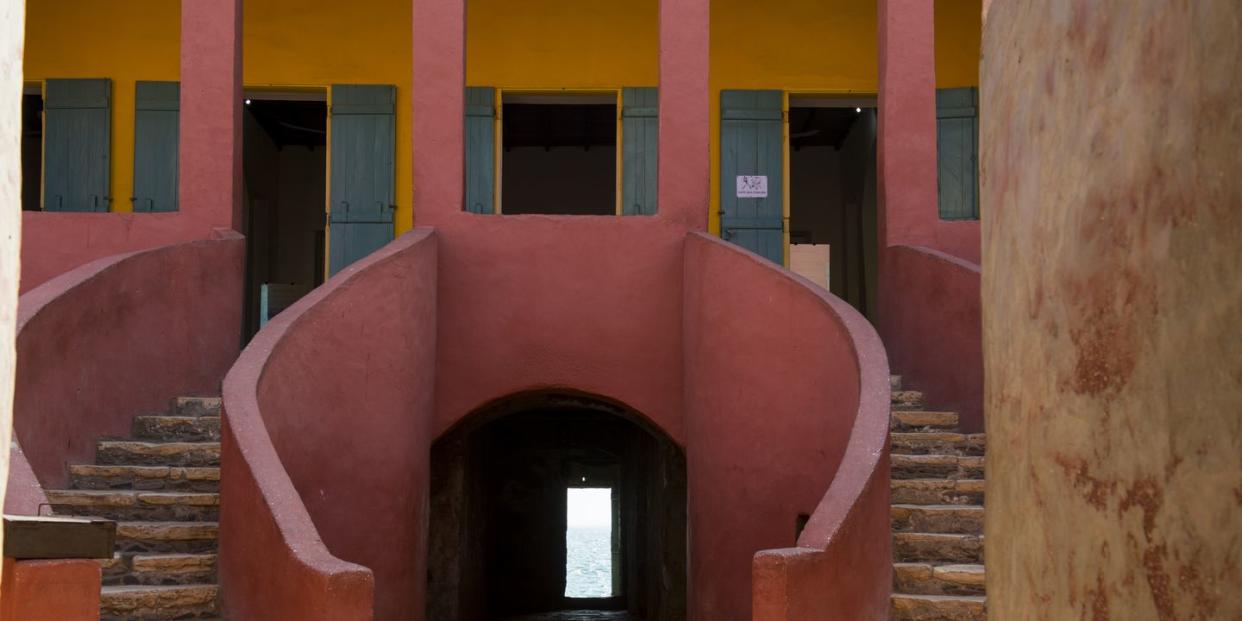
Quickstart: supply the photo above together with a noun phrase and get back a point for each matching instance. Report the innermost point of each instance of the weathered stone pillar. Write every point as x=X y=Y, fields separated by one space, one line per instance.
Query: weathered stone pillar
x=210 y=155
x=1112 y=292
x=439 y=99
x=685 y=103
x=906 y=143
x=12 y=26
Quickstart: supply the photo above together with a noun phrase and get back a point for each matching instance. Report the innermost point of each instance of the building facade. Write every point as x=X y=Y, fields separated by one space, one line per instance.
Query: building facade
x=479 y=214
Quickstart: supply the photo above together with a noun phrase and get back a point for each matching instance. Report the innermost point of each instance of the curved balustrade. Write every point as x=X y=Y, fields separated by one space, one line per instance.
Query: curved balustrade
x=932 y=324
x=327 y=415
x=814 y=403
x=776 y=390
x=119 y=336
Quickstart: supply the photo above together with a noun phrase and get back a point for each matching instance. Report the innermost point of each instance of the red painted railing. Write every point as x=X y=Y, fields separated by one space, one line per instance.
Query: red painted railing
x=821 y=375
x=96 y=345
x=931 y=321
x=326 y=442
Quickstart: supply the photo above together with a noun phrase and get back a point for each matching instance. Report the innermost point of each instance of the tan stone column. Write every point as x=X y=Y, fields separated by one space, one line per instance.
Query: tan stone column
x=1112 y=297
x=12 y=27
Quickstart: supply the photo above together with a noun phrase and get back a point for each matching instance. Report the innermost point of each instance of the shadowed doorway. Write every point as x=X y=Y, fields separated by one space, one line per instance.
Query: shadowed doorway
x=506 y=541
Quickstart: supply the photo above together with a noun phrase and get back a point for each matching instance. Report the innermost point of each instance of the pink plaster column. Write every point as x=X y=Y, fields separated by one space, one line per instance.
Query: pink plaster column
x=210 y=159
x=907 y=133
x=684 y=160
x=438 y=96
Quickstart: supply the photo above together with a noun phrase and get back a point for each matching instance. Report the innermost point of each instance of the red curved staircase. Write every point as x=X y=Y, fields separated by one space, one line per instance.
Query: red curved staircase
x=937 y=514
x=162 y=487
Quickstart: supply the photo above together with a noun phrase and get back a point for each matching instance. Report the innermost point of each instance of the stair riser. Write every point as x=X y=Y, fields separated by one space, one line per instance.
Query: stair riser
x=922 y=585
x=196 y=406
x=970 y=523
x=138 y=513
x=159 y=578
x=960 y=550
x=199 y=429
x=144 y=484
x=905 y=610
x=906 y=399
x=160 y=613
x=905 y=470
x=165 y=546
x=947 y=495
x=122 y=455
x=927 y=444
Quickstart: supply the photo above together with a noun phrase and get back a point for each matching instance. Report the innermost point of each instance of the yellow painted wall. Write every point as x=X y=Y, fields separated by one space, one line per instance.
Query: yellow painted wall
x=798 y=45
x=125 y=40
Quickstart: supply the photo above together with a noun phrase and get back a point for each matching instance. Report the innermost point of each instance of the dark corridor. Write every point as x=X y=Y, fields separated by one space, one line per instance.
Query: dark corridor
x=498 y=513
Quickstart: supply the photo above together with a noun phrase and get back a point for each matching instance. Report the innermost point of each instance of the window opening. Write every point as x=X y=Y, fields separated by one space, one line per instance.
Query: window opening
x=588 y=542
x=559 y=155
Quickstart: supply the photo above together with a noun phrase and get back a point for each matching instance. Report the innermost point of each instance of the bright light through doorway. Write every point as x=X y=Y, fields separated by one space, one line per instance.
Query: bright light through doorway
x=588 y=542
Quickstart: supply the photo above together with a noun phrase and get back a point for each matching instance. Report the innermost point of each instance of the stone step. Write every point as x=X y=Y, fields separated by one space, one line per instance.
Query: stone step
x=916 y=420
x=936 y=466
x=906 y=399
x=960 y=519
x=167 y=478
x=196 y=406
x=177 y=428
x=133 y=505
x=928 y=579
x=894 y=382
x=159 y=569
x=150 y=603
x=137 y=453
x=927 y=443
x=166 y=537
x=938 y=608
x=937 y=548
x=937 y=491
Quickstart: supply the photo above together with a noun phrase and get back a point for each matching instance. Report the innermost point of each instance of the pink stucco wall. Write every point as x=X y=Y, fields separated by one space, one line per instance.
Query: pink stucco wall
x=118 y=337
x=928 y=309
x=329 y=413
x=209 y=162
x=932 y=325
x=60 y=590
x=335 y=392
x=780 y=379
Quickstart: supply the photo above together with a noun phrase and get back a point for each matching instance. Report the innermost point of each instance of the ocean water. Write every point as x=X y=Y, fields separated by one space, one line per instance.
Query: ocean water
x=588 y=562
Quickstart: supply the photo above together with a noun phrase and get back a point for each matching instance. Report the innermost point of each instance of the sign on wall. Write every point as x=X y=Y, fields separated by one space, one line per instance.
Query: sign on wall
x=752 y=186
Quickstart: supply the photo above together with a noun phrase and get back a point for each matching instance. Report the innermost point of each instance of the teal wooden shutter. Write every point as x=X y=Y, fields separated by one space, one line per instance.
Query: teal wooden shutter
x=752 y=145
x=957 y=144
x=360 y=211
x=77 y=145
x=156 y=113
x=480 y=149
x=640 y=126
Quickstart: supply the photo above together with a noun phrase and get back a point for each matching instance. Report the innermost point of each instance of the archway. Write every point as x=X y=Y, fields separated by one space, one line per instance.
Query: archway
x=501 y=543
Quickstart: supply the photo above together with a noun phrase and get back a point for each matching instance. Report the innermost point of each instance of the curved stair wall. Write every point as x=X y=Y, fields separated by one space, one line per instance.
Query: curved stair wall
x=804 y=377
x=327 y=433
x=121 y=335
x=331 y=409
x=931 y=319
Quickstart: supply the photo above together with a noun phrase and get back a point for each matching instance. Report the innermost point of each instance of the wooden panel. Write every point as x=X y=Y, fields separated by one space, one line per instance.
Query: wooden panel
x=957 y=141
x=77 y=145
x=751 y=143
x=32 y=537
x=640 y=125
x=361 y=184
x=155 y=146
x=480 y=149
x=276 y=297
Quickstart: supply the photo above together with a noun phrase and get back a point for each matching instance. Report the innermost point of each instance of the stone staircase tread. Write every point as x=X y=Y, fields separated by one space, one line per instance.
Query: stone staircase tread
x=924 y=419
x=130 y=497
x=945 y=508
x=165 y=598
x=205 y=473
x=196 y=406
x=167 y=530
